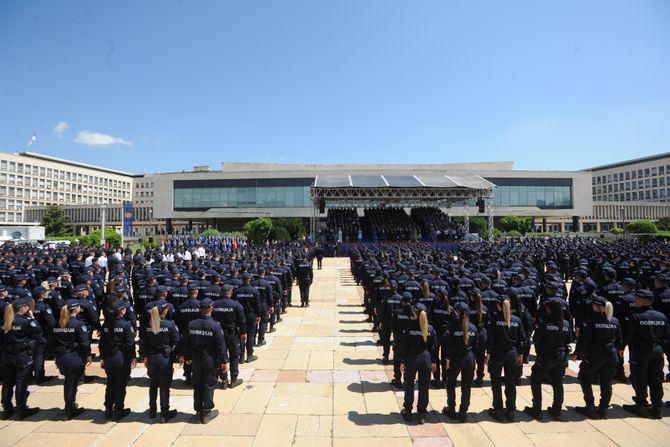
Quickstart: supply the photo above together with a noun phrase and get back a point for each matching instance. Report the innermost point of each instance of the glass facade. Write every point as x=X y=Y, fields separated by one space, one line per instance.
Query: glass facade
x=198 y=195
x=541 y=193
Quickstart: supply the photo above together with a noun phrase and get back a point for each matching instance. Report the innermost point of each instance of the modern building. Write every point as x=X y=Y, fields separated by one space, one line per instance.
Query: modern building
x=32 y=180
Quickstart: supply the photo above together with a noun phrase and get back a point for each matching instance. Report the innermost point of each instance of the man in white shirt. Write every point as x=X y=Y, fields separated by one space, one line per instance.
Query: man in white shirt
x=102 y=260
x=89 y=260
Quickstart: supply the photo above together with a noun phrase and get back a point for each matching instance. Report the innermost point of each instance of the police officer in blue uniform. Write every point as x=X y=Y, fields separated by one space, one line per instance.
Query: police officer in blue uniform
x=647 y=334
x=459 y=343
x=230 y=315
x=188 y=311
x=597 y=344
x=161 y=337
x=506 y=341
x=304 y=274
x=205 y=349
x=117 y=349
x=552 y=338
x=250 y=299
x=418 y=343
x=21 y=335
x=45 y=318
x=73 y=354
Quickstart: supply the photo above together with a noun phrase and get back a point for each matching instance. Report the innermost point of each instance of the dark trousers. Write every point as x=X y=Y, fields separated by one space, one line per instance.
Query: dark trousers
x=647 y=371
x=441 y=370
x=385 y=335
x=319 y=263
x=263 y=325
x=159 y=370
x=506 y=361
x=117 y=370
x=17 y=369
x=397 y=375
x=204 y=382
x=554 y=367
x=466 y=368
x=480 y=353
x=417 y=363
x=233 y=346
x=604 y=367
x=71 y=366
x=251 y=335
x=38 y=360
x=304 y=290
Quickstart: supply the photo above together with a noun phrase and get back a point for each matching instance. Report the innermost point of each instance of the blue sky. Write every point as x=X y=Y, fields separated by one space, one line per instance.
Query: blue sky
x=164 y=85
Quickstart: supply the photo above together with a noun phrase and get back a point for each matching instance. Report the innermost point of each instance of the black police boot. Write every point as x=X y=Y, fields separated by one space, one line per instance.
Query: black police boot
x=224 y=384
x=479 y=381
x=235 y=382
x=385 y=360
x=167 y=416
x=639 y=410
x=120 y=414
x=208 y=416
x=533 y=412
x=406 y=414
x=421 y=418
x=152 y=413
x=109 y=414
x=463 y=415
x=621 y=377
x=396 y=383
x=510 y=415
x=496 y=414
x=251 y=358
x=187 y=380
x=242 y=359
x=7 y=413
x=555 y=413
x=602 y=412
x=261 y=342
x=73 y=413
x=44 y=379
x=656 y=413
x=26 y=413
x=589 y=411
x=450 y=412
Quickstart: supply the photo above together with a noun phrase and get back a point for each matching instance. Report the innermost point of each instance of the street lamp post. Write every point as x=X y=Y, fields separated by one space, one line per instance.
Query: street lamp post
x=622 y=209
x=103 y=216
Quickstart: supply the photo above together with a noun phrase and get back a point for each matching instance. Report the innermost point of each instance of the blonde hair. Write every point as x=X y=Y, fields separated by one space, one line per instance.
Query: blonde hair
x=425 y=288
x=609 y=311
x=155 y=320
x=465 y=319
x=507 y=313
x=64 y=317
x=9 y=318
x=423 y=322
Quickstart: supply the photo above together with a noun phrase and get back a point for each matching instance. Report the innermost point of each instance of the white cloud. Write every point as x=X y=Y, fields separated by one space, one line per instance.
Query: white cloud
x=92 y=138
x=61 y=128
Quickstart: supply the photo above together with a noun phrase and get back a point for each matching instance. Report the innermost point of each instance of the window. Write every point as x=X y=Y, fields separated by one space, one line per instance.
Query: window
x=627 y=175
x=646 y=172
x=3 y=165
x=654 y=171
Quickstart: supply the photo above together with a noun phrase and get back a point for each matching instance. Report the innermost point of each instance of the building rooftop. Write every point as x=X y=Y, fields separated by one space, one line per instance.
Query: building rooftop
x=73 y=163
x=633 y=161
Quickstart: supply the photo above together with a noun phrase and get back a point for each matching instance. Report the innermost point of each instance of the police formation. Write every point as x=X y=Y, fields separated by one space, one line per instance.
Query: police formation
x=454 y=314
x=206 y=307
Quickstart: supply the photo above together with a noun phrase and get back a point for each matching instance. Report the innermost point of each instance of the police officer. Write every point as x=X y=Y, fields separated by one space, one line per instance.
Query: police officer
x=188 y=311
x=479 y=316
x=597 y=344
x=646 y=333
x=205 y=349
x=552 y=338
x=459 y=343
x=73 y=354
x=505 y=347
x=45 y=318
x=230 y=315
x=441 y=316
x=389 y=310
x=160 y=339
x=250 y=299
x=117 y=349
x=304 y=274
x=403 y=318
x=418 y=343
x=21 y=335
x=267 y=305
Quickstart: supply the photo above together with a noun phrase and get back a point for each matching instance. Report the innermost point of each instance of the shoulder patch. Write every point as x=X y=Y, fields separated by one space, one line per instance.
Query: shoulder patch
x=33 y=324
x=84 y=328
x=49 y=311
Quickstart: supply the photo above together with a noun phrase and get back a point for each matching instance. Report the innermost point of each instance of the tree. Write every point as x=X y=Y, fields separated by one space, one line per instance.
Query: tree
x=280 y=234
x=258 y=230
x=514 y=223
x=93 y=238
x=641 y=227
x=211 y=232
x=663 y=224
x=54 y=222
x=293 y=226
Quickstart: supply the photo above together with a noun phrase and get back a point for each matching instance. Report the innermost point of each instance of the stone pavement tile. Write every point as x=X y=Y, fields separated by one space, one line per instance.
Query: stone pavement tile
x=46 y=400
x=14 y=431
x=264 y=363
x=276 y=430
x=320 y=360
x=303 y=390
x=122 y=434
x=292 y=377
x=316 y=329
x=297 y=360
x=384 y=403
x=318 y=376
x=209 y=441
x=502 y=434
x=442 y=441
x=573 y=422
x=313 y=442
x=374 y=376
x=265 y=375
x=654 y=429
x=272 y=353
x=224 y=401
x=626 y=433
x=348 y=397
x=162 y=434
x=344 y=376
x=254 y=398
x=432 y=428
x=314 y=426
x=367 y=442
x=591 y=439
x=88 y=425
x=357 y=425
x=300 y=405
x=42 y=439
x=469 y=434
x=225 y=425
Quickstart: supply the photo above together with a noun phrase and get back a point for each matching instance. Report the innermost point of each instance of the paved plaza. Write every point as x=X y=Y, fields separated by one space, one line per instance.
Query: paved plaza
x=319 y=382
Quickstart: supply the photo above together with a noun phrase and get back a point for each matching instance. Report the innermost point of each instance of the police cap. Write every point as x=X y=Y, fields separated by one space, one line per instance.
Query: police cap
x=206 y=303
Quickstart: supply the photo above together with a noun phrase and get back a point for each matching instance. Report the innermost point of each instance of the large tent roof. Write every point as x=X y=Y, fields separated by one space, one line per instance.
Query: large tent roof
x=401 y=181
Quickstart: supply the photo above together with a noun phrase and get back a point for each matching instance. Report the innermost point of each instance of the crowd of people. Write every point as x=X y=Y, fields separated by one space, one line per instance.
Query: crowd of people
x=437 y=226
x=343 y=225
x=392 y=224
x=205 y=303
x=498 y=306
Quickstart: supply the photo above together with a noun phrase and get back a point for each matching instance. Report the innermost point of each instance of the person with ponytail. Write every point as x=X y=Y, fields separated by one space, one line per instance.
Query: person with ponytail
x=441 y=317
x=459 y=344
x=21 y=334
x=552 y=339
x=73 y=353
x=599 y=340
x=418 y=343
x=479 y=316
x=389 y=309
x=506 y=342
x=161 y=336
x=117 y=350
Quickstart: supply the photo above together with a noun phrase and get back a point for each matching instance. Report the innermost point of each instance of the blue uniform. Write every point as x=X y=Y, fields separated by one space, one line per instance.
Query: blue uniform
x=551 y=339
x=461 y=358
x=117 y=349
x=230 y=315
x=505 y=344
x=418 y=355
x=159 y=350
x=72 y=346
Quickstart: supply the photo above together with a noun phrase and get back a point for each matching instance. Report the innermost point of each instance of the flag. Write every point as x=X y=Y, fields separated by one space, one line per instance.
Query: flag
x=32 y=139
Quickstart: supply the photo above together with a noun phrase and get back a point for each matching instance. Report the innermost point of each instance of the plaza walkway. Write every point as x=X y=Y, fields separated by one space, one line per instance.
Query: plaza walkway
x=318 y=382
